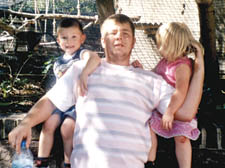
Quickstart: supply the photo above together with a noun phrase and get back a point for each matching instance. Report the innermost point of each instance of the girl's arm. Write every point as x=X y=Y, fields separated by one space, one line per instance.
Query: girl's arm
x=183 y=75
x=190 y=107
x=93 y=61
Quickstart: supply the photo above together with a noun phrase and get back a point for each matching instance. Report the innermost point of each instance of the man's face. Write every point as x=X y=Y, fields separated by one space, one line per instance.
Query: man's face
x=118 y=42
x=70 y=39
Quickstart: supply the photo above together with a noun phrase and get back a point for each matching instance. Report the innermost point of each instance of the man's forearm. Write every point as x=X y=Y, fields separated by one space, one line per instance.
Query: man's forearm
x=39 y=112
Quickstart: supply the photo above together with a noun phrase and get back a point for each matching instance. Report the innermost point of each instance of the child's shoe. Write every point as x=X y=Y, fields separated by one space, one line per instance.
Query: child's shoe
x=67 y=165
x=150 y=165
x=41 y=162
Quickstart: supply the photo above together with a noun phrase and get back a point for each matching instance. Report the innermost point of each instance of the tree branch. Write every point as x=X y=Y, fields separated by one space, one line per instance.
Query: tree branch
x=48 y=16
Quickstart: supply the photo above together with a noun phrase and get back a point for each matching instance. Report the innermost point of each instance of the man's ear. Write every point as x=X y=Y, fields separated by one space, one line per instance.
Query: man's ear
x=103 y=42
x=134 y=42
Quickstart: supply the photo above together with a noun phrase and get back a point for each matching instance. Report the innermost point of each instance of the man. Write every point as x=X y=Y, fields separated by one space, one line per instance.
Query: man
x=112 y=118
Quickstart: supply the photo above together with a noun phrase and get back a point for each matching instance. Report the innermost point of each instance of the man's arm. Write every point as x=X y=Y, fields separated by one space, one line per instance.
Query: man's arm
x=190 y=107
x=37 y=114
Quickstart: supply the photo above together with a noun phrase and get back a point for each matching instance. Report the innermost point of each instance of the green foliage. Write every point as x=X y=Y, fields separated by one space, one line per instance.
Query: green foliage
x=87 y=7
x=5 y=88
x=19 y=83
x=48 y=65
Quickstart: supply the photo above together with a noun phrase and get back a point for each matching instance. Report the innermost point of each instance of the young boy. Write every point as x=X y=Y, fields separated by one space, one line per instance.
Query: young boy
x=70 y=38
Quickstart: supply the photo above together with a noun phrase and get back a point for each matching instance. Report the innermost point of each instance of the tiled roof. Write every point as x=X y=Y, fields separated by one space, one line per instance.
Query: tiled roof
x=156 y=12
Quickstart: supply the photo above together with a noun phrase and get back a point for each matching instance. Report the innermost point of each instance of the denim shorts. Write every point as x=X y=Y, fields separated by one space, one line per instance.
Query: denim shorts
x=71 y=112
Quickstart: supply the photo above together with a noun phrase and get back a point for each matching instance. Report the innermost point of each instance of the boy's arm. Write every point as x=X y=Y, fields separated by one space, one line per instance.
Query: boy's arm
x=93 y=61
x=183 y=74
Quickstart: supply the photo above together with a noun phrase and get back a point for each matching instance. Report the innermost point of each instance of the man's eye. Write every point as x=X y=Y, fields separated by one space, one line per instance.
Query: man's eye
x=112 y=33
x=126 y=34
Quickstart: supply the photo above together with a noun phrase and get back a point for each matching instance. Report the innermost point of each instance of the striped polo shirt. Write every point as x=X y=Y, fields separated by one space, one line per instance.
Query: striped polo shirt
x=112 y=119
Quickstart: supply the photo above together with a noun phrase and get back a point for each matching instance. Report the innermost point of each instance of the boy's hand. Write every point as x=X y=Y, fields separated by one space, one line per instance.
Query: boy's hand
x=167 y=121
x=82 y=84
x=137 y=64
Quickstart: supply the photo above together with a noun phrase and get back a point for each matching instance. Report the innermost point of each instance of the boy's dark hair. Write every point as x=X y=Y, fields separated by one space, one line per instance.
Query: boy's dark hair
x=70 y=22
x=121 y=18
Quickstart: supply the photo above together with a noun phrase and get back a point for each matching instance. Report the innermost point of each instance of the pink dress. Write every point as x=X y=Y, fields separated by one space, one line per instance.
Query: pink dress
x=180 y=128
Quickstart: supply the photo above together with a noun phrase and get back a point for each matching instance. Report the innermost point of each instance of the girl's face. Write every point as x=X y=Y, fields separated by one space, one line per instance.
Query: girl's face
x=162 y=52
x=70 y=39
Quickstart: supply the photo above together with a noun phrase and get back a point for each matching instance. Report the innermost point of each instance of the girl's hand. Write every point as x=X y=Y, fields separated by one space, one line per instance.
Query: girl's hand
x=199 y=56
x=199 y=49
x=82 y=84
x=167 y=121
x=137 y=64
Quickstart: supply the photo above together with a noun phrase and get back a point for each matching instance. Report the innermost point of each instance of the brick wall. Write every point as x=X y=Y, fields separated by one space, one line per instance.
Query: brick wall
x=7 y=123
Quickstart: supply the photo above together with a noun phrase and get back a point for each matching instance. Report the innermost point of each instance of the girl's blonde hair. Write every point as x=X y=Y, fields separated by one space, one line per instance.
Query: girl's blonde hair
x=174 y=40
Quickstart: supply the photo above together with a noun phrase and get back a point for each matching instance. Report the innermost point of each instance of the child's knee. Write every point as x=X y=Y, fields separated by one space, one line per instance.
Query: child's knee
x=48 y=127
x=181 y=139
x=67 y=129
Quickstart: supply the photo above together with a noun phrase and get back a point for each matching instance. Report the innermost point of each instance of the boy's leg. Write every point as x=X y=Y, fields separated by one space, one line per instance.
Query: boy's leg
x=183 y=151
x=67 y=130
x=46 y=139
x=47 y=135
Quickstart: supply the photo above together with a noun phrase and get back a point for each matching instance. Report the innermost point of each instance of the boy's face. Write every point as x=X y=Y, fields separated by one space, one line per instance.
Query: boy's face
x=70 y=39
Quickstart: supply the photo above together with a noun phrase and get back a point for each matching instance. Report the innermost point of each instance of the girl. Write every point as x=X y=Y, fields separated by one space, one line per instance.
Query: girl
x=174 y=42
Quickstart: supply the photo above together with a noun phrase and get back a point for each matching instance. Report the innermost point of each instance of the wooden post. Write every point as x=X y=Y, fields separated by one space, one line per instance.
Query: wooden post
x=54 y=22
x=46 y=12
x=35 y=11
x=208 y=40
x=105 y=9
x=78 y=7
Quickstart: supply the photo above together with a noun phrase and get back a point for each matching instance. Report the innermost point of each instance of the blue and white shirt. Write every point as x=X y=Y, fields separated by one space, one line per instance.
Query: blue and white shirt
x=64 y=62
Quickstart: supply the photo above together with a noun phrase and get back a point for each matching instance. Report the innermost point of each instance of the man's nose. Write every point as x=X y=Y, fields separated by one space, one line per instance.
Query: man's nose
x=119 y=35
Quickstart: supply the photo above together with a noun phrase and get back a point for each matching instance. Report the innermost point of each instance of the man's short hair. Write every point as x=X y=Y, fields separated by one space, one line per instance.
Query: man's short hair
x=120 y=18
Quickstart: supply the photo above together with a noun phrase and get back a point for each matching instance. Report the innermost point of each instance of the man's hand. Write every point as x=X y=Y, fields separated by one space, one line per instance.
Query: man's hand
x=167 y=121
x=19 y=133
